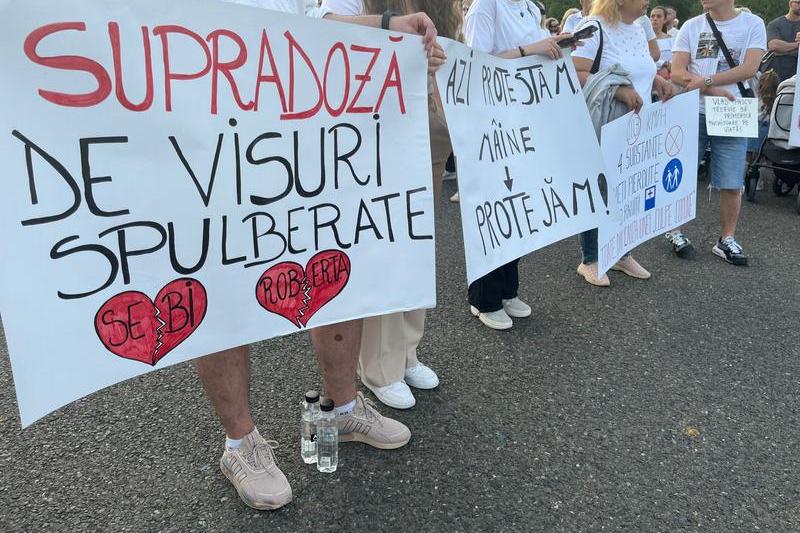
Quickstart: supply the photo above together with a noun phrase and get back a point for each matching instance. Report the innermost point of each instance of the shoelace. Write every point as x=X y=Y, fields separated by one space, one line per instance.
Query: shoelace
x=677 y=239
x=262 y=455
x=371 y=410
x=732 y=245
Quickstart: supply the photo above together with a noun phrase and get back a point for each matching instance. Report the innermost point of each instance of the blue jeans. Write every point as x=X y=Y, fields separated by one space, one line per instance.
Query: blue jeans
x=589 y=247
x=728 y=158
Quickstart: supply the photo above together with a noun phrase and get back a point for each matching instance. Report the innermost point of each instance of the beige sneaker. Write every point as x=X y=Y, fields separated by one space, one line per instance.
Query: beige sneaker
x=255 y=476
x=631 y=267
x=366 y=424
x=589 y=273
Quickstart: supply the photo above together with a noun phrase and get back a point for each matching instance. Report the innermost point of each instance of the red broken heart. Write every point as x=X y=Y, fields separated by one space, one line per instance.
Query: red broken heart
x=296 y=294
x=132 y=326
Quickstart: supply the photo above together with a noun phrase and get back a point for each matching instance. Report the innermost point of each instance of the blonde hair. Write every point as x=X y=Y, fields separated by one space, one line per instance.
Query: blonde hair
x=608 y=9
x=567 y=14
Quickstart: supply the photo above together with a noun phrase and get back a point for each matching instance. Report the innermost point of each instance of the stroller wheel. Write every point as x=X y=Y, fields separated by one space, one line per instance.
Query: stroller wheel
x=780 y=188
x=751 y=183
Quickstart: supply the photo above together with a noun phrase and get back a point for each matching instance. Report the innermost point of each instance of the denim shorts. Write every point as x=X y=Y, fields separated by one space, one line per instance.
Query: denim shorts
x=728 y=158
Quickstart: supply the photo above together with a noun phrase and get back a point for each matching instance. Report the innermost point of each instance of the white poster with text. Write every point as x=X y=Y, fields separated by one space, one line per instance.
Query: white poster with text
x=651 y=159
x=731 y=118
x=530 y=171
x=184 y=177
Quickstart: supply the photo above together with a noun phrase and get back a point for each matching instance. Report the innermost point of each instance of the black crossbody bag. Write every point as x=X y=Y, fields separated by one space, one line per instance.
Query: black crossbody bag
x=746 y=92
x=599 y=57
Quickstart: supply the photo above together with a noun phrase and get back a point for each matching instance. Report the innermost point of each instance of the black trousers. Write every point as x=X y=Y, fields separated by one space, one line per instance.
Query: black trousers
x=486 y=294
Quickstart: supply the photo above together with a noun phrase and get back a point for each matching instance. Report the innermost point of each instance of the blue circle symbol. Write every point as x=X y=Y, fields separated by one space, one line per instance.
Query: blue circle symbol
x=673 y=175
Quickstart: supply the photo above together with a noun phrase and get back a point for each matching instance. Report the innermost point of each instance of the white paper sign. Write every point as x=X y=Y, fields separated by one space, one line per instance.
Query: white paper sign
x=794 y=129
x=732 y=119
x=530 y=172
x=239 y=174
x=652 y=167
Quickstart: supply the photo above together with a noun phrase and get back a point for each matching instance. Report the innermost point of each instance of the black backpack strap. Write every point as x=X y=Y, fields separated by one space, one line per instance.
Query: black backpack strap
x=745 y=92
x=599 y=57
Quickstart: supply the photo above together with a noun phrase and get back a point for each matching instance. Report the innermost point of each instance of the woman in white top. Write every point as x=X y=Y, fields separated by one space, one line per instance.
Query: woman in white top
x=624 y=44
x=658 y=18
x=388 y=363
x=510 y=29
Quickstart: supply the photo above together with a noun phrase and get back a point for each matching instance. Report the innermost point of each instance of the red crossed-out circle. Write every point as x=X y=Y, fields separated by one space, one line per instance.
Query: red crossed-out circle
x=674 y=141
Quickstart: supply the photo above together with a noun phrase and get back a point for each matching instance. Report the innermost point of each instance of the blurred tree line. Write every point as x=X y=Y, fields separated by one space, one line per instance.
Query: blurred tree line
x=768 y=9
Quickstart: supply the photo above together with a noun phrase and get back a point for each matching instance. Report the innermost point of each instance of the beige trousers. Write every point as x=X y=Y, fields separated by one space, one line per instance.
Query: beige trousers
x=389 y=342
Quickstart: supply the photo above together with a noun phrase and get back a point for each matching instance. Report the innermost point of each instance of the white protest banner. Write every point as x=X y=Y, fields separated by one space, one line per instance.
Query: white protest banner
x=726 y=118
x=794 y=129
x=652 y=175
x=530 y=171
x=184 y=177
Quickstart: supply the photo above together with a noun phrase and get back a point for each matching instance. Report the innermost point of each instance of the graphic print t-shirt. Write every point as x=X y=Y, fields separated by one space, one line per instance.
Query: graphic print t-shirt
x=742 y=33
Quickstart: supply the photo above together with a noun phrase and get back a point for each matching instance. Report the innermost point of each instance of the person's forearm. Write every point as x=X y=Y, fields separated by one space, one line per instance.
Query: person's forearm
x=373 y=21
x=782 y=48
x=682 y=76
x=655 y=51
x=734 y=75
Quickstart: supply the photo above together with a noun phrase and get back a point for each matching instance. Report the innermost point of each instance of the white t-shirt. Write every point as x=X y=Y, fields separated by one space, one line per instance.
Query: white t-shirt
x=673 y=32
x=647 y=26
x=623 y=44
x=344 y=7
x=742 y=33
x=572 y=22
x=495 y=26
x=309 y=7
x=665 y=45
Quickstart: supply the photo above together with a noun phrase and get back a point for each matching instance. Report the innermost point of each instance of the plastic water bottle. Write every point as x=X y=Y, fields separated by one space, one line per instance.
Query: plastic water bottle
x=308 y=427
x=327 y=438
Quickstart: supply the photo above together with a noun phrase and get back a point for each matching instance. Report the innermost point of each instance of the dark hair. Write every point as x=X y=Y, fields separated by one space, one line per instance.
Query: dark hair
x=447 y=15
x=664 y=9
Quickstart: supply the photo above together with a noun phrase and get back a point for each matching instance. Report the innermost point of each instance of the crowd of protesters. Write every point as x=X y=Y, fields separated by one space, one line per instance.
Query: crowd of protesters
x=631 y=56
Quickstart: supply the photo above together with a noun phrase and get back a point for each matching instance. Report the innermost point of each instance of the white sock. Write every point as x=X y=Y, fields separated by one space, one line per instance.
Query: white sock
x=345 y=409
x=233 y=444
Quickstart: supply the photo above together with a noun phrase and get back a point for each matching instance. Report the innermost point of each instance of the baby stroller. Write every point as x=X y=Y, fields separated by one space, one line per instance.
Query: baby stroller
x=775 y=152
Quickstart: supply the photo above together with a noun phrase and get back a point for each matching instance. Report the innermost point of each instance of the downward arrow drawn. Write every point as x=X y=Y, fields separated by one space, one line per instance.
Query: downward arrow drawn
x=508 y=181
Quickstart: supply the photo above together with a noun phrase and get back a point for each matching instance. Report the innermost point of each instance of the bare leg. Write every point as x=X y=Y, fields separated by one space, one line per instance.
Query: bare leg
x=337 y=348
x=226 y=379
x=730 y=203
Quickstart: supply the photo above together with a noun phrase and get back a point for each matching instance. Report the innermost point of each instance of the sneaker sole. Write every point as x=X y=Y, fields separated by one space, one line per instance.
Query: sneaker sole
x=629 y=273
x=719 y=253
x=267 y=507
x=421 y=387
x=493 y=325
x=358 y=437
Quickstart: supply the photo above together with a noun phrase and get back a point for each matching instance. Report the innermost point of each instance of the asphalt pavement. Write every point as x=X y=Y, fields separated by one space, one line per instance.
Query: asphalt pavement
x=664 y=405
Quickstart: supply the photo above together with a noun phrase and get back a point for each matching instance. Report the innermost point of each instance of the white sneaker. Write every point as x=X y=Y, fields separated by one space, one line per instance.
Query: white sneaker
x=421 y=377
x=455 y=199
x=496 y=319
x=517 y=308
x=396 y=395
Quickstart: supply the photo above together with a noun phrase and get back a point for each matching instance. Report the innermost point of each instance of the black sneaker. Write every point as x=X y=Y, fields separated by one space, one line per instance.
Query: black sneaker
x=730 y=250
x=682 y=246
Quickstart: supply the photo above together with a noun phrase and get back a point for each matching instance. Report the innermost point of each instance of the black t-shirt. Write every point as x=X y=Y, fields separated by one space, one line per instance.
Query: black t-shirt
x=785 y=30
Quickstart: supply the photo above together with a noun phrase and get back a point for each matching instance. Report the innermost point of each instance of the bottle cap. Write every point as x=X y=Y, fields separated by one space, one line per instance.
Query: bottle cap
x=326 y=405
x=312 y=396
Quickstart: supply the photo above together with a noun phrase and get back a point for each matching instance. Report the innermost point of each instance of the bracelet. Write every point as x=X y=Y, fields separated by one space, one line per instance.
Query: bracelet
x=521 y=52
x=387 y=15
